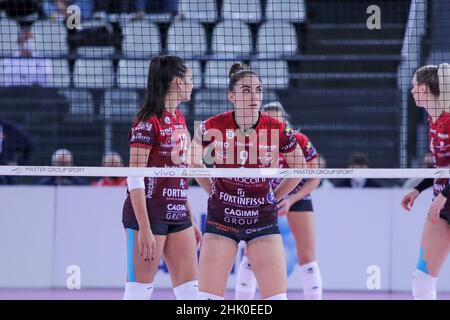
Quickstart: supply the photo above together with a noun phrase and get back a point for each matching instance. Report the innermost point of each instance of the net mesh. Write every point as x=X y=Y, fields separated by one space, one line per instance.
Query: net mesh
x=74 y=74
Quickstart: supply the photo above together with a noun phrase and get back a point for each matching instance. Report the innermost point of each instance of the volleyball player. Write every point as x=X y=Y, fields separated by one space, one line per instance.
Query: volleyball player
x=431 y=86
x=156 y=212
x=299 y=209
x=244 y=208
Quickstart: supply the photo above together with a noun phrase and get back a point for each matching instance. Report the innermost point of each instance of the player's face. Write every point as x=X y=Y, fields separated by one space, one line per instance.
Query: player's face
x=420 y=94
x=247 y=95
x=277 y=115
x=187 y=85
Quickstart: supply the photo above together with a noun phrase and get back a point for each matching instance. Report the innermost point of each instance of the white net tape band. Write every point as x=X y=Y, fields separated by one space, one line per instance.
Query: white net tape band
x=223 y=173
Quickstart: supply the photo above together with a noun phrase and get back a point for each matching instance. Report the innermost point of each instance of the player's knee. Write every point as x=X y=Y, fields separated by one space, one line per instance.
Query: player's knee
x=423 y=286
x=138 y=291
x=186 y=291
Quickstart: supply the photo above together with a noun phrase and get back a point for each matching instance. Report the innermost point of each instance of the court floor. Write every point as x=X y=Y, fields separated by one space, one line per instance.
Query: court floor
x=165 y=294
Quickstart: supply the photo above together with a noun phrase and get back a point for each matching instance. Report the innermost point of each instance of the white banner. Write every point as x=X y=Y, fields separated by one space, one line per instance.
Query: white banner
x=50 y=231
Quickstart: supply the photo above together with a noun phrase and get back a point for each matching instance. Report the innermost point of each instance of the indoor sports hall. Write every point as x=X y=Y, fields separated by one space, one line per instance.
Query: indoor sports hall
x=224 y=149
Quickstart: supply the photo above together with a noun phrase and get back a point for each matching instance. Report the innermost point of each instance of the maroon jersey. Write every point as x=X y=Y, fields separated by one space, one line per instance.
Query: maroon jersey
x=238 y=203
x=165 y=197
x=310 y=153
x=440 y=147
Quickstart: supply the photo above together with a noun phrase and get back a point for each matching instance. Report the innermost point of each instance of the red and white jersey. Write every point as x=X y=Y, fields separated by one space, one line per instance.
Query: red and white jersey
x=440 y=147
x=244 y=201
x=310 y=153
x=166 y=197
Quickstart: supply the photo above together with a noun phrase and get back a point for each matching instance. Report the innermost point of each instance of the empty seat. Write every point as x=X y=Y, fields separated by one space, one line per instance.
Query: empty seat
x=141 y=39
x=81 y=104
x=196 y=71
x=276 y=38
x=231 y=38
x=206 y=109
x=249 y=10
x=61 y=75
x=209 y=103
x=186 y=38
x=286 y=10
x=274 y=73
x=50 y=38
x=96 y=52
x=159 y=17
x=26 y=72
x=133 y=73
x=90 y=73
x=216 y=73
x=121 y=105
x=9 y=29
x=203 y=11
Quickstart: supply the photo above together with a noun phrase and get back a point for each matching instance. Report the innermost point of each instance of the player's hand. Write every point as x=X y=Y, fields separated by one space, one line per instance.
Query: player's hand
x=435 y=208
x=408 y=200
x=284 y=206
x=147 y=244
x=198 y=236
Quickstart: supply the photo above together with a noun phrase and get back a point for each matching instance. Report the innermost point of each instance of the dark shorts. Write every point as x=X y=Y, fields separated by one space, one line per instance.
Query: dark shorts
x=302 y=206
x=445 y=212
x=161 y=229
x=445 y=215
x=242 y=234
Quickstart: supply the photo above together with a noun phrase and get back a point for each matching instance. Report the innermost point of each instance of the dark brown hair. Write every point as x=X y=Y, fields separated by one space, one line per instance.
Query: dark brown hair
x=237 y=72
x=359 y=158
x=428 y=75
x=161 y=72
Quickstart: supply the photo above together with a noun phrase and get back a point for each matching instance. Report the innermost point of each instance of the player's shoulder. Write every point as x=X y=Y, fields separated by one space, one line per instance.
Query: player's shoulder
x=268 y=120
x=446 y=117
x=301 y=137
x=179 y=114
x=219 y=119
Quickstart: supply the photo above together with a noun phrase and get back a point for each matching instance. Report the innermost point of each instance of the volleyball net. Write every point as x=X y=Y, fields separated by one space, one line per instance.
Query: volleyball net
x=74 y=76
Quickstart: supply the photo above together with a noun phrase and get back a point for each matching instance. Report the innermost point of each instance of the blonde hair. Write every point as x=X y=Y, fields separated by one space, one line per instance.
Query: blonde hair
x=277 y=107
x=59 y=156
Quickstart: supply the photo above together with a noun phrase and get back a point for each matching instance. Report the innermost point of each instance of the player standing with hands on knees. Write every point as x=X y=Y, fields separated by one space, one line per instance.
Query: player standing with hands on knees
x=156 y=213
x=431 y=91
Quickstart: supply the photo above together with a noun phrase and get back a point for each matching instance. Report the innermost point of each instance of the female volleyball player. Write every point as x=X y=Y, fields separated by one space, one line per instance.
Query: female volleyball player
x=156 y=212
x=244 y=208
x=431 y=89
x=299 y=209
